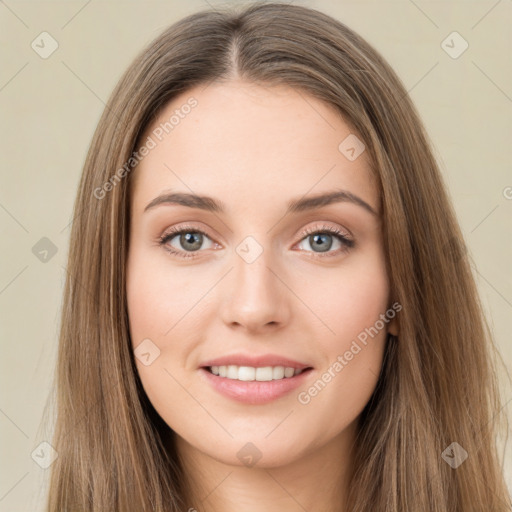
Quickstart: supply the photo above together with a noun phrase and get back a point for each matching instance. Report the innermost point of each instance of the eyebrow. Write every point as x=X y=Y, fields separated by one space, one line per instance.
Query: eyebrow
x=294 y=206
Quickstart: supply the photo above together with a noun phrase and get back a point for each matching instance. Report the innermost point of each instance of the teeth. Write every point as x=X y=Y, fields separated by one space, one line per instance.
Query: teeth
x=288 y=372
x=248 y=373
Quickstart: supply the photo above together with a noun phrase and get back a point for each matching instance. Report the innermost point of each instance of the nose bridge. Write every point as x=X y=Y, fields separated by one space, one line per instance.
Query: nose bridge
x=253 y=277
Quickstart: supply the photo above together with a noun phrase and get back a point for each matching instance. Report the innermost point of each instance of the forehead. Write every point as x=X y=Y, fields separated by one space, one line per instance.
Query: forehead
x=246 y=143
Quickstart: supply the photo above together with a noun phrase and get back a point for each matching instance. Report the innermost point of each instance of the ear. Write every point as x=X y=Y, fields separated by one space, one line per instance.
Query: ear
x=393 y=326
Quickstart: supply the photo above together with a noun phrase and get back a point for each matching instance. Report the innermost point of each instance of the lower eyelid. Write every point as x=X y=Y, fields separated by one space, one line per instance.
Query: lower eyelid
x=346 y=243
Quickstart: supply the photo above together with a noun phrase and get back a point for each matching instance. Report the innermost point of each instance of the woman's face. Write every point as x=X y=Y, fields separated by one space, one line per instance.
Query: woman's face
x=248 y=284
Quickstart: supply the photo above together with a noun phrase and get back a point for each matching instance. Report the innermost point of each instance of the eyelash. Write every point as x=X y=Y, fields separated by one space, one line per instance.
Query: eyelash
x=173 y=232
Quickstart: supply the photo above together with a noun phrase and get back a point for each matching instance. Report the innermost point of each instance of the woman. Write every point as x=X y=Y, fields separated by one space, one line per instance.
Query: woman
x=269 y=303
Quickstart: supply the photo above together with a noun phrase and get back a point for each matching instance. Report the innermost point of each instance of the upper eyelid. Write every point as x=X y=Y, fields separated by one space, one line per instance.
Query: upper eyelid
x=343 y=232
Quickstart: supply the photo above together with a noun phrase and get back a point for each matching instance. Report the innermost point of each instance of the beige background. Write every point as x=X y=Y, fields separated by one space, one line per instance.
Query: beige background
x=50 y=107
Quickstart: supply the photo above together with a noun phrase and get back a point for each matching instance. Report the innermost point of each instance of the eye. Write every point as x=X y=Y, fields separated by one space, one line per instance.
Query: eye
x=190 y=240
x=322 y=239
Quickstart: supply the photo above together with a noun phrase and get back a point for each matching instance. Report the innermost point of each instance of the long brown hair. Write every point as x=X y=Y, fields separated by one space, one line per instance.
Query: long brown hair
x=438 y=381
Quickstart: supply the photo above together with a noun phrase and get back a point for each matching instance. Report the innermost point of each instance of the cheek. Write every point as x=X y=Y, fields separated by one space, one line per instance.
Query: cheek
x=350 y=310
x=157 y=299
x=162 y=305
x=347 y=300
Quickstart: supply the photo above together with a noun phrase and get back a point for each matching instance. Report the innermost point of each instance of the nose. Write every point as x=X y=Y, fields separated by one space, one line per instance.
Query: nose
x=257 y=299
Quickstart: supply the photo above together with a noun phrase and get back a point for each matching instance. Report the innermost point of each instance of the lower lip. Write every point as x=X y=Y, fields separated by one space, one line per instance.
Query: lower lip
x=254 y=392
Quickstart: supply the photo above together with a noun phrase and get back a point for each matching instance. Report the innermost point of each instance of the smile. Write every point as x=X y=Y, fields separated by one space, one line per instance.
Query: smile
x=254 y=385
x=250 y=373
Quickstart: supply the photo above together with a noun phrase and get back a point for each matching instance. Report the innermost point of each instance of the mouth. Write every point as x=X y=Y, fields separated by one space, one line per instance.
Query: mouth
x=255 y=385
x=255 y=379
x=253 y=373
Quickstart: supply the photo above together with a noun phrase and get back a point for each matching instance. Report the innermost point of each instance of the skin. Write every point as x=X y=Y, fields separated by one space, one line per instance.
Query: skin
x=255 y=148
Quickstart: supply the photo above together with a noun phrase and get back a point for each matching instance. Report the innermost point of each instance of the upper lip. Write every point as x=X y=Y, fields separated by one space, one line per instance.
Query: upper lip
x=255 y=361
